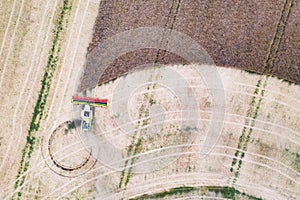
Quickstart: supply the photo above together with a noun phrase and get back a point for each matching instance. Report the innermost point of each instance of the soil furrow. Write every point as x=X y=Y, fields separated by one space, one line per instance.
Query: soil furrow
x=279 y=32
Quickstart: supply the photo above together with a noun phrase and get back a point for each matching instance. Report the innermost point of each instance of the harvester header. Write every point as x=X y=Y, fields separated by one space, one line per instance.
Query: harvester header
x=90 y=101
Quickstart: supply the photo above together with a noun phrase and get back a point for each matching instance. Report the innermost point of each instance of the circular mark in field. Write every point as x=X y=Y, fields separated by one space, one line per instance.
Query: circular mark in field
x=68 y=155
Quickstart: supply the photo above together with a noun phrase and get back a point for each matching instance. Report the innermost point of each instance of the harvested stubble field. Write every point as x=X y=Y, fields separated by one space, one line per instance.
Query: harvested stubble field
x=161 y=161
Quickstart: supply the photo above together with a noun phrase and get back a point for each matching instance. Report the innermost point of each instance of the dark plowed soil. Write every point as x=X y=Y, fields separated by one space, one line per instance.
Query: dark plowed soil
x=235 y=34
x=287 y=64
x=138 y=58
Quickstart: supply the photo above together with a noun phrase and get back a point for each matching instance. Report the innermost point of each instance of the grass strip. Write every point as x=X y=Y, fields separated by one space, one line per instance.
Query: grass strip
x=245 y=137
x=173 y=191
x=227 y=192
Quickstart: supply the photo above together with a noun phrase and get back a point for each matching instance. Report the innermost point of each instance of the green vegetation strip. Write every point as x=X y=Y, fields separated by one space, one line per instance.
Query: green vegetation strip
x=226 y=192
x=135 y=146
x=42 y=97
x=173 y=191
x=231 y=193
x=136 y=142
x=244 y=139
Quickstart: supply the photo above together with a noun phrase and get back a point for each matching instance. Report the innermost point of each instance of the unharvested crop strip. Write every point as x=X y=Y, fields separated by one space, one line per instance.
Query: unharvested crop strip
x=42 y=98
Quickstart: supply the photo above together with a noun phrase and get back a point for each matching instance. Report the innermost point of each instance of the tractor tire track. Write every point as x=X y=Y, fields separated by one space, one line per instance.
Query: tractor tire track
x=279 y=32
x=75 y=51
x=176 y=154
x=8 y=25
x=11 y=43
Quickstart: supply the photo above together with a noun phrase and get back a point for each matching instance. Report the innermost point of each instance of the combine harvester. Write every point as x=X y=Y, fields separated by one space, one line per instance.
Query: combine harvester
x=87 y=112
